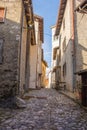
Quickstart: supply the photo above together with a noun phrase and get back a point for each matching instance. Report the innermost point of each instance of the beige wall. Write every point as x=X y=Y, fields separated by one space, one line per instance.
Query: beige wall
x=23 y=55
x=80 y=27
x=33 y=66
x=66 y=56
x=35 y=60
x=39 y=67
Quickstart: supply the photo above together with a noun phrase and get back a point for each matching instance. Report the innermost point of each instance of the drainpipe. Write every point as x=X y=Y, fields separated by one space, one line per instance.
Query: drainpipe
x=73 y=43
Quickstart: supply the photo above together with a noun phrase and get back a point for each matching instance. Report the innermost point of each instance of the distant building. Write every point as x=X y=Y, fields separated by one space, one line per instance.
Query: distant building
x=43 y=77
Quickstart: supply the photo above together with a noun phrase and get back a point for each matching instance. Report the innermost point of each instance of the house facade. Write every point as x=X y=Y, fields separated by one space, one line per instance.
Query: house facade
x=54 y=57
x=36 y=54
x=72 y=31
x=16 y=35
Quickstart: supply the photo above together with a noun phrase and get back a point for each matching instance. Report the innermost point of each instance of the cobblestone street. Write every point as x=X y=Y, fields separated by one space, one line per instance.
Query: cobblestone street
x=46 y=110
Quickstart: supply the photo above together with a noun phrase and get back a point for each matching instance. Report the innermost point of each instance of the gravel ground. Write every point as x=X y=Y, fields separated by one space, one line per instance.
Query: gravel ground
x=46 y=109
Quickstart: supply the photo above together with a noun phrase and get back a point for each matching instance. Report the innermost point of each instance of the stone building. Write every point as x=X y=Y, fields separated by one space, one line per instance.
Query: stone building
x=16 y=34
x=71 y=28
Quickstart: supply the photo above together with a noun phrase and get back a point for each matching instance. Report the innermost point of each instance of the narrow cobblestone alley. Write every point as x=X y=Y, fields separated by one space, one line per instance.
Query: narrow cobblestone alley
x=46 y=110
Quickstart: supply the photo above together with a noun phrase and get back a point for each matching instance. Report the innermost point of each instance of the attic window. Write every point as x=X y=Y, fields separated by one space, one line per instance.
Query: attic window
x=2 y=14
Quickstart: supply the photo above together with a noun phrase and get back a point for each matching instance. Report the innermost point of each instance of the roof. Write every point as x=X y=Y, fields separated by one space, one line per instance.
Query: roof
x=53 y=26
x=45 y=63
x=40 y=20
x=30 y=17
x=60 y=16
x=82 y=7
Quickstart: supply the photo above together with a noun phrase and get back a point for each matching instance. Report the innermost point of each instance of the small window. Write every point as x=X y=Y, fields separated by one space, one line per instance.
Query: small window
x=59 y=55
x=1 y=51
x=64 y=44
x=2 y=14
x=64 y=70
x=55 y=38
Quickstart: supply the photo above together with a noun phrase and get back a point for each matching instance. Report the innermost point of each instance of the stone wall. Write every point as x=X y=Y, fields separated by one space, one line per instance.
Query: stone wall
x=10 y=32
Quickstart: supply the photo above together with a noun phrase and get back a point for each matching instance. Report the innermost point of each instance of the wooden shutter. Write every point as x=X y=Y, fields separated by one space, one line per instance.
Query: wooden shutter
x=2 y=14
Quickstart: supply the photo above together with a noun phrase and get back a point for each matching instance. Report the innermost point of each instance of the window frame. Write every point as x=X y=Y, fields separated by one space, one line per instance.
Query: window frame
x=3 y=18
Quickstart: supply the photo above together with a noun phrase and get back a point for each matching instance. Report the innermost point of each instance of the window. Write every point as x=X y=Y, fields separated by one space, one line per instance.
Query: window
x=64 y=44
x=1 y=51
x=64 y=69
x=60 y=39
x=55 y=38
x=59 y=55
x=2 y=14
x=63 y=23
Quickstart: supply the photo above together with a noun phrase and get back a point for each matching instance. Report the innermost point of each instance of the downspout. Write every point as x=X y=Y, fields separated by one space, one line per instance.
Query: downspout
x=73 y=43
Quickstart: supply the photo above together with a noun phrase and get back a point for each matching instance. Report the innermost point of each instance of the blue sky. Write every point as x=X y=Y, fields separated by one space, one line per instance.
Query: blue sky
x=48 y=9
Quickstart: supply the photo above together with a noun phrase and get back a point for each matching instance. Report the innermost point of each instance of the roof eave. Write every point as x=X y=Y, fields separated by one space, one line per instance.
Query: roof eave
x=30 y=17
x=60 y=16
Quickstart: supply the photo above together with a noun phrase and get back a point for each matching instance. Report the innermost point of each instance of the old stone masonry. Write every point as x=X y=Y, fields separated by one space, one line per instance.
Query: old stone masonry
x=46 y=109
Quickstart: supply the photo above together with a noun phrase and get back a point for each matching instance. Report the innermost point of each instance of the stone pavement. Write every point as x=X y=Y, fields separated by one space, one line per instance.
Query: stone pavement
x=46 y=110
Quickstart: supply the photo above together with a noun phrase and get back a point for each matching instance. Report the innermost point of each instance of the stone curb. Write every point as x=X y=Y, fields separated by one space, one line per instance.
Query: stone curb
x=74 y=100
